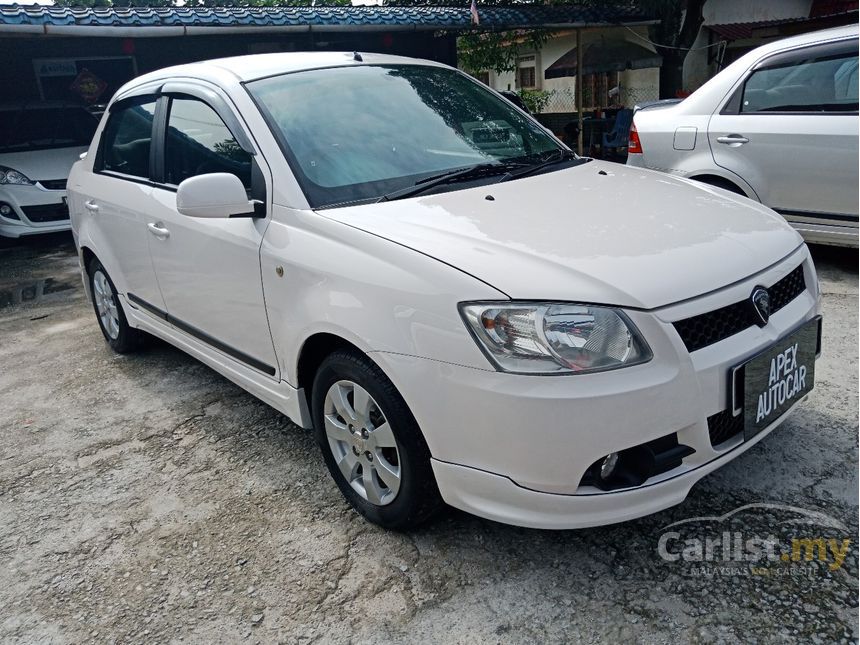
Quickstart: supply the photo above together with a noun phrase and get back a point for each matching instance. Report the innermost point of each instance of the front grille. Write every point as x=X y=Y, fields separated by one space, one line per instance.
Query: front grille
x=53 y=184
x=722 y=426
x=712 y=327
x=46 y=212
x=787 y=289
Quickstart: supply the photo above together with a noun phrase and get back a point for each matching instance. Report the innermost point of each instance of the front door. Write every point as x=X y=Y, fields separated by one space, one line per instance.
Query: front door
x=791 y=131
x=115 y=195
x=209 y=269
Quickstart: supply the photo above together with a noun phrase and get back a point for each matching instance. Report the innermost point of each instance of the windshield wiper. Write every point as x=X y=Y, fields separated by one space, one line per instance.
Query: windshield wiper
x=459 y=174
x=559 y=157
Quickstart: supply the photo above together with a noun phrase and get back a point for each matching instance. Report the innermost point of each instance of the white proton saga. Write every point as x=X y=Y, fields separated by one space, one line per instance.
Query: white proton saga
x=462 y=309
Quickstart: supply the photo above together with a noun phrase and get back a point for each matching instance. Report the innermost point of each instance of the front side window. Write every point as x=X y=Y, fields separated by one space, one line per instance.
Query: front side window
x=811 y=82
x=127 y=138
x=198 y=142
x=355 y=133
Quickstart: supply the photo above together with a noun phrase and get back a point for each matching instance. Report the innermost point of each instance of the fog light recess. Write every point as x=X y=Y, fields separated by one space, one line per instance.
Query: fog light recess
x=7 y=211
x=634 y=466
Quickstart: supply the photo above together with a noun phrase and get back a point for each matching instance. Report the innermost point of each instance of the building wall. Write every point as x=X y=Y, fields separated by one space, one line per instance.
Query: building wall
x=19 y=82
x=637 y=85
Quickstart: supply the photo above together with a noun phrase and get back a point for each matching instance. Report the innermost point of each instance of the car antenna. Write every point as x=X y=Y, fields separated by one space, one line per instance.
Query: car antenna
x=357 y=57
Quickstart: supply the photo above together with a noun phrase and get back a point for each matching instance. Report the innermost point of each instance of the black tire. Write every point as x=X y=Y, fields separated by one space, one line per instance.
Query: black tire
x=126 y=339
x=418 y=496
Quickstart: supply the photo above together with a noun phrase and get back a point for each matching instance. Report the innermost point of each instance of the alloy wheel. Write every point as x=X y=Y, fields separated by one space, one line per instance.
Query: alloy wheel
x=362 y=442
x=106 y=304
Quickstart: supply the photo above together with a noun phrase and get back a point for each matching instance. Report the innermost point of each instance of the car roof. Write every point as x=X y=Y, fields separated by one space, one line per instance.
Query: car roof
x=705 y=99
x=256 y=66
x=833 y=33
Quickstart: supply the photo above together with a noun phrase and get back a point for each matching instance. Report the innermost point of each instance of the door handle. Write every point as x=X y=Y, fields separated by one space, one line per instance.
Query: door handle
x=733 y=140
x=91 y=206
x=158 y=230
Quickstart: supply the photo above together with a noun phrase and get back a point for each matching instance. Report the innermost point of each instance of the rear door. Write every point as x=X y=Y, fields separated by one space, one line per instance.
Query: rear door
x=209 y=269
x=790 y=130
x=117 y=192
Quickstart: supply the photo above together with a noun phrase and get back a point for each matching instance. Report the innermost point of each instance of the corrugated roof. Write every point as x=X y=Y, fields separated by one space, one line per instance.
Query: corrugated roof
x=426 y=17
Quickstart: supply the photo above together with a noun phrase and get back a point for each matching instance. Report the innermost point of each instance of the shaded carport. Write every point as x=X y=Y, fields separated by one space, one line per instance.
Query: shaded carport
x=46 y=49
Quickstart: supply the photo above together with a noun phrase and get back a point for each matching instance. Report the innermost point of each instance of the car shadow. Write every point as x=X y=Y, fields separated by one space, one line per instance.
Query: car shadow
x=839 y=258
x=45 y=241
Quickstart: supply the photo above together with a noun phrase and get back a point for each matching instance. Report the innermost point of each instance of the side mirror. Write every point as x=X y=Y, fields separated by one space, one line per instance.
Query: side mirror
x=217 y=194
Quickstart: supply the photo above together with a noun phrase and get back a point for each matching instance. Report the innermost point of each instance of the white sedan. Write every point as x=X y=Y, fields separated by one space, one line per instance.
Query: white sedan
x=462 y=309
x=39 y=142
x=779 y=126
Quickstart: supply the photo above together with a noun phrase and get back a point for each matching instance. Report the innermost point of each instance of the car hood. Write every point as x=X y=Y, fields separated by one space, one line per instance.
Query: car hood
x=600 y=232
x=54 y=163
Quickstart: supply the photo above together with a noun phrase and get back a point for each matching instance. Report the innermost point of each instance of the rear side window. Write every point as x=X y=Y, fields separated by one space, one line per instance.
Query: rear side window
x=198 y=142
x=813 y=80
x=127 y=138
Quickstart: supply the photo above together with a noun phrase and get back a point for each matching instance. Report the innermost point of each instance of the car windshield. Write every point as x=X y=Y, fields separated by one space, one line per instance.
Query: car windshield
x=44 y=128
x=354 y=134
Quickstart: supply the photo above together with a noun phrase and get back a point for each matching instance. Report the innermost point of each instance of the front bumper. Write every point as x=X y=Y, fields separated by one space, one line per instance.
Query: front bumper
x=515 y=448
x=38 y=210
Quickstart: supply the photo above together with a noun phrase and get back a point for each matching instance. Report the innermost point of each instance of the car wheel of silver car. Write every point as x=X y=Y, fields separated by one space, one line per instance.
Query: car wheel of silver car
x=117 y=332
x=371 y=443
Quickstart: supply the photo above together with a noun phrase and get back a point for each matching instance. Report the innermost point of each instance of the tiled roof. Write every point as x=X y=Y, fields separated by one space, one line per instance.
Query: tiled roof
x=426 y=17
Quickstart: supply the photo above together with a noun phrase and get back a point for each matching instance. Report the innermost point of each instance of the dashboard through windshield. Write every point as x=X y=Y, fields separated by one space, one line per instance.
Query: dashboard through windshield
x=354 y=134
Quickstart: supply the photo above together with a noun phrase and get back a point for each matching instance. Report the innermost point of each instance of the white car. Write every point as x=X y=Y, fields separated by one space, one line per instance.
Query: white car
x=39 y=142
x=779 y=126
x=462 y=309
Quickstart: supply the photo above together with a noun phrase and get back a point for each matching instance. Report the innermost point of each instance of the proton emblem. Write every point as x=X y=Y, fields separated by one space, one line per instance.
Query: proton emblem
x=760 y=299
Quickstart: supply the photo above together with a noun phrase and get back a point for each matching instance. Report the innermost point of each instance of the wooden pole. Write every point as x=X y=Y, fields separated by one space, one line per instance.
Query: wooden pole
x=579 y=87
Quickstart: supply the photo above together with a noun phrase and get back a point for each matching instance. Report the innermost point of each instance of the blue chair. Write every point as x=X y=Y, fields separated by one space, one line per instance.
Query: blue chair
x=617 y=137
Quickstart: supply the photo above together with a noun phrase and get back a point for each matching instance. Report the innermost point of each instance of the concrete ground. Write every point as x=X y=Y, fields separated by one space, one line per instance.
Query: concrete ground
x=146 y=499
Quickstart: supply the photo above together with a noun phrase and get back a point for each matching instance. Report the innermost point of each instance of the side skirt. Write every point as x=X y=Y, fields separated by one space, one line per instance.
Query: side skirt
x=282 y=396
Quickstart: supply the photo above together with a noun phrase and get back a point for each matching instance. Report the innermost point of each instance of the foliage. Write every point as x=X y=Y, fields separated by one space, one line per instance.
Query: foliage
x=535 y=100
x=498 y=51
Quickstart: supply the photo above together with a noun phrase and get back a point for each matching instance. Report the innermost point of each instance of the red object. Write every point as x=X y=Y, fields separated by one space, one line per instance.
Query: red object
x=387 y=40
x=127 y=46
x=634 y=146
x=88 y=86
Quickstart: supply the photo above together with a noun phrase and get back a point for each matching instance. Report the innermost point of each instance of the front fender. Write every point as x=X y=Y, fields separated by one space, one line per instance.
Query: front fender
x=376 y=294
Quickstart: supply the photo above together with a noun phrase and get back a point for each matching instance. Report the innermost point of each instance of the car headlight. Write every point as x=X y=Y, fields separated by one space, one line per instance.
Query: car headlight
x=12 y=176
x=554 y=338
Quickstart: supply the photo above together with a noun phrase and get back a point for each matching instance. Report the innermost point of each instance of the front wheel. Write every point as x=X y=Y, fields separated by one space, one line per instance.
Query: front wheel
x=371 y=443
x=117 y=332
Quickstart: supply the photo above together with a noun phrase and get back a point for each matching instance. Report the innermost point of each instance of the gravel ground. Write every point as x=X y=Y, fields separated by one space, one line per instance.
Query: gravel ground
x=146 y=499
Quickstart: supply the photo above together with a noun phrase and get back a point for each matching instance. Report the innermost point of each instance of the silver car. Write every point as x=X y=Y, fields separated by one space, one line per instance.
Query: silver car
x=779 y=126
